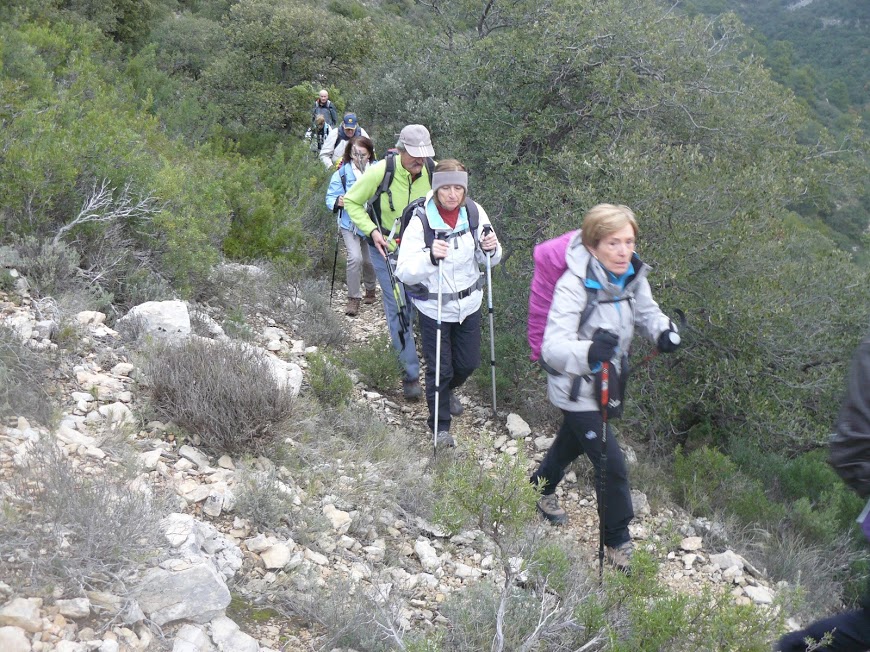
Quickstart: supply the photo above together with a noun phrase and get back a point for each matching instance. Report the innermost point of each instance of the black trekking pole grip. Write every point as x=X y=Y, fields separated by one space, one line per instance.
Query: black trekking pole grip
x=486 y=231
x=439 y=235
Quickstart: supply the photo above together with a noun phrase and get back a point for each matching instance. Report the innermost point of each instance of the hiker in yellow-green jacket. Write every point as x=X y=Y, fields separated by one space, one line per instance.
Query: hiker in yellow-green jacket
x=408 y=176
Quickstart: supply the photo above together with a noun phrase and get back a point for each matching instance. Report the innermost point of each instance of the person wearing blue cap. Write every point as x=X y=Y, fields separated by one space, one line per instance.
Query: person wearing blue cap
x=333 y=147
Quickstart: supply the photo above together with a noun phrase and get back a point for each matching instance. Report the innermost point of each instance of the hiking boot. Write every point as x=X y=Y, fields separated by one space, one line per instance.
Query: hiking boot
x=445 y=439
x=411 y=389
x=352 y=308
x=369 y=297
x=550 y=509
x=620 y=556
x=456 y=408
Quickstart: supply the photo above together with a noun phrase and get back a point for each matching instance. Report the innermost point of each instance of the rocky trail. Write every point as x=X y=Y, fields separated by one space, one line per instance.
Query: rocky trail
x=182 y=599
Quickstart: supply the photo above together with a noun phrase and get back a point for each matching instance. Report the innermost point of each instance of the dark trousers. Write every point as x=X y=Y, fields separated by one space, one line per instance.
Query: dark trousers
x=851 y=633
x=460 y=356
x=581 y=433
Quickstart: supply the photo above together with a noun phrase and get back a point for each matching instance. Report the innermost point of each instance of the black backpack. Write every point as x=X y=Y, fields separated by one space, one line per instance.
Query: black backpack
x=374 y=204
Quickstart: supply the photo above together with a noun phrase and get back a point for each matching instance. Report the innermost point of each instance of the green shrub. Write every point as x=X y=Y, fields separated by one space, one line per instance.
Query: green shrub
x=224 y=392
x=703 y=479
x=378 y=363
x=328 y=380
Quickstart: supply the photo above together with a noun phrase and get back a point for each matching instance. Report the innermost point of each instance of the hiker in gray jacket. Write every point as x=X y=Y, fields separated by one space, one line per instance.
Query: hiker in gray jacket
x=602 y=268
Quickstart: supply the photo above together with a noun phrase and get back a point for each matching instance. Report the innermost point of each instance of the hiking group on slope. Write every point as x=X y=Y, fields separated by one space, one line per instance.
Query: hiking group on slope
x=435 y=277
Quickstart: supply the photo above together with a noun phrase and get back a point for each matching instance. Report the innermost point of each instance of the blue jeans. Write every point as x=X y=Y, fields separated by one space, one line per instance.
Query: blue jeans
x=408 y=353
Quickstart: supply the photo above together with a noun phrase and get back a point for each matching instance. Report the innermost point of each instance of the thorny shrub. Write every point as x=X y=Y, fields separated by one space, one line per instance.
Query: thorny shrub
x=62 y=525
x=260 y=497
x=23 y=379
x=329 y=381
x=224 y=392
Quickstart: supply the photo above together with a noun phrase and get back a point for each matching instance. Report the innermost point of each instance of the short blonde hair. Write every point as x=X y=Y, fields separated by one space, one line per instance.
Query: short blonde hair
x=603 y=220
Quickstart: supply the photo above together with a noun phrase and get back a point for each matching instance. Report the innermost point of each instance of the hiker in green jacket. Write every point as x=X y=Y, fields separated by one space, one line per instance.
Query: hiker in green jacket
x=411 y=179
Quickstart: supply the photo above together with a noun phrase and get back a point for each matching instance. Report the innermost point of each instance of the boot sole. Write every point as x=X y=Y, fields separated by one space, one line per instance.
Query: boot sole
x=555 y=520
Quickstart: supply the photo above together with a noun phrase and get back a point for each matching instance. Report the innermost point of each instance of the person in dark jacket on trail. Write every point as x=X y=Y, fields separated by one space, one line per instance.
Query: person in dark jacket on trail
x=323 y=106
x=600 y=257
x=848 y=631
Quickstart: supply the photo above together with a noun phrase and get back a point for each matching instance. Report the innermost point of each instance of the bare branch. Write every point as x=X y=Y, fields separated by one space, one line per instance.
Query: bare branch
x=101 y=206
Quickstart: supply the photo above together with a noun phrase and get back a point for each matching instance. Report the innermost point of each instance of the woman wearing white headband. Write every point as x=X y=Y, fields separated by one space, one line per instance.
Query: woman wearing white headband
x=457 y=236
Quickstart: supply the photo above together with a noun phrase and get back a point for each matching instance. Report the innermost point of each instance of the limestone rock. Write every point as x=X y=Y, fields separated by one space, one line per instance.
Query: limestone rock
x=517 y=427
x=198 y=594
x=75 y=608
x=160 y=319
x=229 y=638
x=23 y=613
x=191 y=638
x=14 y=639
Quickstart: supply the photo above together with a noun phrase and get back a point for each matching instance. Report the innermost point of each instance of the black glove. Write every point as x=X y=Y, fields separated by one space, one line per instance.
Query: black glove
x=603 y=347
x=669 y=341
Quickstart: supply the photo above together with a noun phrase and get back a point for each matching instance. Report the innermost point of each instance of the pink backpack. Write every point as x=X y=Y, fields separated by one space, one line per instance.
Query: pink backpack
x=550 y=264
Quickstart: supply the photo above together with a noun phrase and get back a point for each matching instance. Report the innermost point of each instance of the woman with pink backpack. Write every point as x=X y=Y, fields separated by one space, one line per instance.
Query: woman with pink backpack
x=600 y=297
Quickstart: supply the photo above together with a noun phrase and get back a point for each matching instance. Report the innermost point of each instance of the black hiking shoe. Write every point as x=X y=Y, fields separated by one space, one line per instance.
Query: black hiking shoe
x=411 y=389
x=620 y=556
x=445 y=439
x=550 y=509
x=456 y=408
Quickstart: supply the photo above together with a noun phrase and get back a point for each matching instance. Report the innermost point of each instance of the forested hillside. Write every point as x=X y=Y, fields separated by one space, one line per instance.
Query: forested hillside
x=143 y=142
x=818 y=49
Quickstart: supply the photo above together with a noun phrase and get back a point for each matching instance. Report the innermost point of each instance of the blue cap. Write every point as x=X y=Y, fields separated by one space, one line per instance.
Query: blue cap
x=350 y=121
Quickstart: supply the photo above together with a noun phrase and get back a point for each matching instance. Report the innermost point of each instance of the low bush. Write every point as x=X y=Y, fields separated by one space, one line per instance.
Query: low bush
x=224 y=392
x=328 y=380
x=318 y=323
x=68 y=527
x=24 y=376
x=378 y=363
x=260 y=498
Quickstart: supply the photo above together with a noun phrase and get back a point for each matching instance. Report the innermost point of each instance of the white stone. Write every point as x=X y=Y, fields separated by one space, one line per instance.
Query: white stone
x=74 y=608
x=427 y=555
x=117 y=413
x=14 y=639
x=123 y=369
x=340 y=520
x=70 y=646
x=228 y=638
x=759 y=594
x=23 y=613
x=316 y=557
x=191 y=638
x=160 y=319
x=691 y=543
x=69 y=435
x=277 y=556
x=149 y=459
x=109 y=645
x=259 y=543
x=543 y=443
x=517 y=427
x=90 y=317
x=727 y=559
x=197 y=594
x=226 y=462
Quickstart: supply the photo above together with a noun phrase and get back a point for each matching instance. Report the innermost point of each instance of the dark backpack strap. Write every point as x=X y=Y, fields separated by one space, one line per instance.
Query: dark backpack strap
x=375 y=202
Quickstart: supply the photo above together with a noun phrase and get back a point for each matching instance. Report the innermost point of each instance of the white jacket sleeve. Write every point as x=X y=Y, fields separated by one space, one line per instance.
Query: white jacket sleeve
x=561 y=348
x=414 y=264
x=648 y=317
x=328 y=148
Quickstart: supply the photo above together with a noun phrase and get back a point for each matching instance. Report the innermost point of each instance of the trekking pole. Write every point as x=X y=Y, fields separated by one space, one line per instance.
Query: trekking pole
x=439 y=236
x=486 y=230
x=602 y=469
x=334 y=265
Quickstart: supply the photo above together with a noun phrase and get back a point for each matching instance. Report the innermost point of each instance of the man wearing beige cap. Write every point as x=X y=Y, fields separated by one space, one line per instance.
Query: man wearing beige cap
x=411 y=179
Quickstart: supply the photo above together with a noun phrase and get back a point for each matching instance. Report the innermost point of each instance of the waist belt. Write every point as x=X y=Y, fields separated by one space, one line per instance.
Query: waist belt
x=450 y=296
